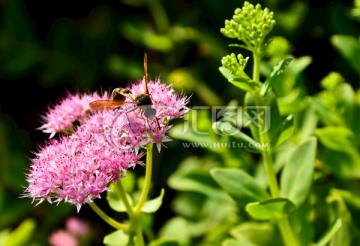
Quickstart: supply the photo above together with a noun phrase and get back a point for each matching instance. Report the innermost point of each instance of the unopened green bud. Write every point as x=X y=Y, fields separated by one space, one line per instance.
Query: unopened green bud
x=250 y=24
x=235 y=64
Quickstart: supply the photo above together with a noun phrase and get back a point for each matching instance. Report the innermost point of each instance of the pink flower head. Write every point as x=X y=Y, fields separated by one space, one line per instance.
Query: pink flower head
x=60 y=118
x=75 y=170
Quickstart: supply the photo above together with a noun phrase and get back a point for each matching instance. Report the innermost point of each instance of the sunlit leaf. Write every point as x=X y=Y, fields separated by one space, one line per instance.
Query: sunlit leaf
x=116 y=238
x=270 y=209
x=153 y=205
x=242 y=82
x=297 y=176
x=286 y=130
x=176 y=228
x=256 y=234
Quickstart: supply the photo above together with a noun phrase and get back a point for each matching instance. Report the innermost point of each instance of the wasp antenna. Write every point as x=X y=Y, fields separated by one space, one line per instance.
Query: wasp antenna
x=145 y=74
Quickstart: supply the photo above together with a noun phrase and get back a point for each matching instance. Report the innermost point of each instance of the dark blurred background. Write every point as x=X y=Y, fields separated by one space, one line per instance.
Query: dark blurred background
x=50 y=47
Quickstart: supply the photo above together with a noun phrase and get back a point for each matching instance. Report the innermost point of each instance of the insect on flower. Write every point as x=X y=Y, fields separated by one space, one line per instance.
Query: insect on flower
x=118 y=96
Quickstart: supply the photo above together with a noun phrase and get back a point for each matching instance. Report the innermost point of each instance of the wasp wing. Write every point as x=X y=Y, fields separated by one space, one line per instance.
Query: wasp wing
x=106 y=104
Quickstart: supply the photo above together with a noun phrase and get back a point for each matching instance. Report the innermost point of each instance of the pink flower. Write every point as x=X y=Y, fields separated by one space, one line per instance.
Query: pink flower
x=62 y=238
x=76 y=171
x=60 y=118
x=77 y=168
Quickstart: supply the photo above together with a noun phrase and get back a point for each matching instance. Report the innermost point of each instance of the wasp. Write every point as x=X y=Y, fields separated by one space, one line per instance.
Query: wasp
x=143 y=101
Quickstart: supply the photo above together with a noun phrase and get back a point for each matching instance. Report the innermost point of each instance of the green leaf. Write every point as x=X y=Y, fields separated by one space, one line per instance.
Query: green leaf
x=274 y=75
x=255 y=234
x=349 y=47
x=243 y=82
x=172 y=228
x=246 y=142
x=297 y=176
x=286 y=130
x=153 y=205
x=270 y=209
x=291 y=103
x=116 y=238
x=336 y=137
x=242 y=187
x=298 y=65
x=22 y=234
x=114 y=199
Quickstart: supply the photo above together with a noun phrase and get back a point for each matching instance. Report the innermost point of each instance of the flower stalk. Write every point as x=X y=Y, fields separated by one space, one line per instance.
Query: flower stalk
x=107 y=219
x=147 y=183
x=250 y=25
x=283 y=223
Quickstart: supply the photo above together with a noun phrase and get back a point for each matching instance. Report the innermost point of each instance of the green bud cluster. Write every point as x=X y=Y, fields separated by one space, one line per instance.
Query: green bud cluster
x=235 y=65
x=250 y=24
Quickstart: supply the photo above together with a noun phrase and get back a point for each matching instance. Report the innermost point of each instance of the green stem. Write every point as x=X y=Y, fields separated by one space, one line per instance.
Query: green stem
x=283 y=223
x=271 y=174
x=136 y=216
x=122 y=194
x=107 y=219
x=147 y=182
x=257 y=62
x=139 y=241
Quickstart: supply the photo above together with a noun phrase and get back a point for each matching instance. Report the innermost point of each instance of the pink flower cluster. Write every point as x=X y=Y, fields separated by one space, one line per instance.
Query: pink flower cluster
x=77 y=168
x=60 y=118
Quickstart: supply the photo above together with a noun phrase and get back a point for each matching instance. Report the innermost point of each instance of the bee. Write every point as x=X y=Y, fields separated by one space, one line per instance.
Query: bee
x=143 y=101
